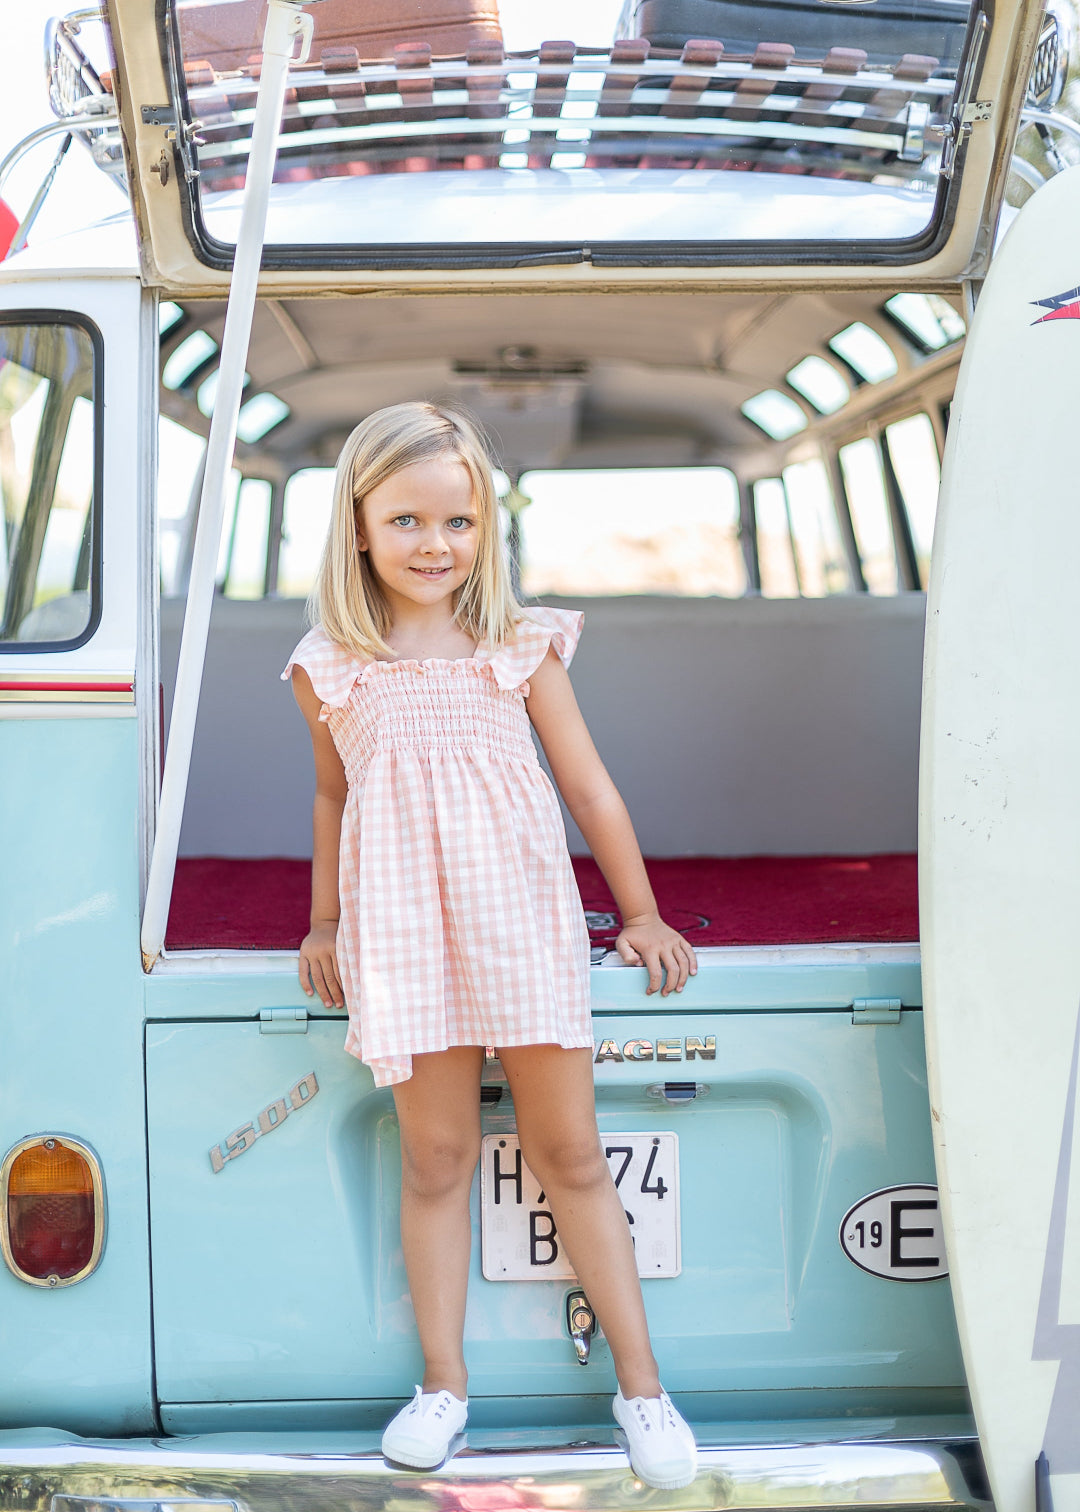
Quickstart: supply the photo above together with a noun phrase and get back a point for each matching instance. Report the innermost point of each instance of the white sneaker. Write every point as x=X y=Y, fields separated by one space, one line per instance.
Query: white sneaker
x=658 y=1439
x=421 y=1434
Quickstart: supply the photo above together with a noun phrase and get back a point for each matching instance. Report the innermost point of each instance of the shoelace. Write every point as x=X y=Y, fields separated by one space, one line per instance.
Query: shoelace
x=437 y=1409
x=667 y=1416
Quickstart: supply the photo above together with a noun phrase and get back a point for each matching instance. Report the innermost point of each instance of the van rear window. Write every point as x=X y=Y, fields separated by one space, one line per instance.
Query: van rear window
x=617 y=130
x=671 y=531
x=50 y=459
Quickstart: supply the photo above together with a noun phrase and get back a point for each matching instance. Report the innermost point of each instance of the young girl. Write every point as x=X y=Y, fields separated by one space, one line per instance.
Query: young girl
x=444 y=909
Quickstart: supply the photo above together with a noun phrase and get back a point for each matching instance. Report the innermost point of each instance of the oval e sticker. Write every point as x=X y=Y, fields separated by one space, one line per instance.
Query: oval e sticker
x=896 y=1233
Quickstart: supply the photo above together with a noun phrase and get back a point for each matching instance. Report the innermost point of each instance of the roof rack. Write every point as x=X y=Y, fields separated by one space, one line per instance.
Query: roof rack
x=563 y=106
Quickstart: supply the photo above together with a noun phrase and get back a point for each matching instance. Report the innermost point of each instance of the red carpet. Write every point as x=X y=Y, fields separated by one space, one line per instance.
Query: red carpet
x=226 y=904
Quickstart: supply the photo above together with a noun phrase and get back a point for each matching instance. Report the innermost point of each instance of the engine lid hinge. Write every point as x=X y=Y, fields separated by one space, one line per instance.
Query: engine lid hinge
x=875 y=1011
x=283 y=1021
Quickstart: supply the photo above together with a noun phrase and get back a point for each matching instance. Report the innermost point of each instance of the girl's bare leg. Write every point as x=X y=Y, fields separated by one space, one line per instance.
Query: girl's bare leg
x=438 y=1111
x=552 y=1090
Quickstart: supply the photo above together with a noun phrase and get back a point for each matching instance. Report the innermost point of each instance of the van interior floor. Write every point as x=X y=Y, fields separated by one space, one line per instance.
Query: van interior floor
x=229 y=903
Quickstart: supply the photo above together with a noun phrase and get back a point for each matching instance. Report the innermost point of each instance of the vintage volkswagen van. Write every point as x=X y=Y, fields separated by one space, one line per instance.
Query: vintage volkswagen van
x=704 y=271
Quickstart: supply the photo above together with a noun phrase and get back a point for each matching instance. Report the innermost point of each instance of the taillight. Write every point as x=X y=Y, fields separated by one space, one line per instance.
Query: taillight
x=52 y=1210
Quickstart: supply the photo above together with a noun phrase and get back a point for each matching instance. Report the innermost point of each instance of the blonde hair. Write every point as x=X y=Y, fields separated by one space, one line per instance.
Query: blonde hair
x=347 y=598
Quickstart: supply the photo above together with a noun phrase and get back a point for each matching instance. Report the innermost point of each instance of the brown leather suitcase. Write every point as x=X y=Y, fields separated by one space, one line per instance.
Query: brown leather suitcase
x=225 y=35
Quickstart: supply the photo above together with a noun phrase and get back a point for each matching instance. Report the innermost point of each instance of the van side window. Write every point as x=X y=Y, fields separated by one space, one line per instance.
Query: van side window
x=914 y=456
x=244 y=537
x=815 y=532
x=309 y=497
x=864 y=482
x=180 y=454
x=50 y=489
x=776 y=555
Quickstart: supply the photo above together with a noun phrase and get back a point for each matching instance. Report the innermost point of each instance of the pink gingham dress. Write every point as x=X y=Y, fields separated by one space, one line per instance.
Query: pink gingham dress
x=461 y=922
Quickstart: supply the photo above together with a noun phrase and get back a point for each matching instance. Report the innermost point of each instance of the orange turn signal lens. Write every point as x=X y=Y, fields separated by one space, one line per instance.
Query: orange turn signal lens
x=52 y=1215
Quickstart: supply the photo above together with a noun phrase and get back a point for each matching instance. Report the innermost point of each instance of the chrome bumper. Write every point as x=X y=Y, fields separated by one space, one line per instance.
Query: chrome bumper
x=41 y=1471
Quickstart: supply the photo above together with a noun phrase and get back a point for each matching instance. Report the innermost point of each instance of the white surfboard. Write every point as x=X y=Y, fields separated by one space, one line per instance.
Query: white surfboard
x=1000 y=852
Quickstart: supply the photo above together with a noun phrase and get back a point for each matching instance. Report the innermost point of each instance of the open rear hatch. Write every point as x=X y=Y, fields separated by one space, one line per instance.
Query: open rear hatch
x=678 y=139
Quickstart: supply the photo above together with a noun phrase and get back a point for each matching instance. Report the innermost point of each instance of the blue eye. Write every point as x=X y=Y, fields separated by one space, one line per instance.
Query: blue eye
x=460 y=522
x=405 y=520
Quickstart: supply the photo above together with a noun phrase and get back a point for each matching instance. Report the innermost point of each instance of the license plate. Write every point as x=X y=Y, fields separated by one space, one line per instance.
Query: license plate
x=518 y=1238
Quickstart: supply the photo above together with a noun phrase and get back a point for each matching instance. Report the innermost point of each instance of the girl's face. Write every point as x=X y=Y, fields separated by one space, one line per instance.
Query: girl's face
x=420 y=529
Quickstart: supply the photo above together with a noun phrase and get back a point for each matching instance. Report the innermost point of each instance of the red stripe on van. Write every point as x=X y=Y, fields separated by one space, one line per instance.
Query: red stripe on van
x=24 y=686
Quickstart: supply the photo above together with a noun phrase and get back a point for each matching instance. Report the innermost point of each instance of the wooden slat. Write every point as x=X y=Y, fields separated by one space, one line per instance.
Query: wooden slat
x=913 y=67
x=618 y=90
x=415 y=84
x=485 y=101
x=774 y=56
x=484 y=93
x=343 y=60
x=685 y=92
x=549 y=96
x=818 y=97
x=349 y=90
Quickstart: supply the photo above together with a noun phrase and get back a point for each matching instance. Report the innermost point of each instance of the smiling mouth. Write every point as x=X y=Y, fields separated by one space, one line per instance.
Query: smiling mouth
x=431 y=571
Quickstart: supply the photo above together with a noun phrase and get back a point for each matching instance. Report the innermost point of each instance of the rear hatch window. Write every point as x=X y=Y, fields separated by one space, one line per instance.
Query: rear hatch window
x=642 y=131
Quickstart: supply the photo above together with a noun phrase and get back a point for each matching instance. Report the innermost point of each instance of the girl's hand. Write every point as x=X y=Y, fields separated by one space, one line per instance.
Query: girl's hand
x=318 y=964
x=648 y=941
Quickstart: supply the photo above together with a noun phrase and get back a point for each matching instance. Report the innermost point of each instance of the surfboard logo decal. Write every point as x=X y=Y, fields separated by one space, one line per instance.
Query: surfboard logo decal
x=1059 y=306
x=896 y=1233
x=1055 y=1340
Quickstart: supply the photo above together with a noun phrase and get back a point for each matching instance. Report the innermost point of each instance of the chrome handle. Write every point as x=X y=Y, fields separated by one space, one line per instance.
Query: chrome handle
x=580 y=1324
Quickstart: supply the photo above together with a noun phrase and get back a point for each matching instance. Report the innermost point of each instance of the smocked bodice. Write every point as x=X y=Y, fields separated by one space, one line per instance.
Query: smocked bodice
x=475 y=704
x=420 y=707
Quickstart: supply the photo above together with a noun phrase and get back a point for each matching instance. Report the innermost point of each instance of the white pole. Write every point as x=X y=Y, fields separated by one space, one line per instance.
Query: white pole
x=285 y=22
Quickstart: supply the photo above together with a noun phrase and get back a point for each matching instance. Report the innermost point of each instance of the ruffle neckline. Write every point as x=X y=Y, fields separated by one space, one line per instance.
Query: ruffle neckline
x=334 y=671
x=415 y=664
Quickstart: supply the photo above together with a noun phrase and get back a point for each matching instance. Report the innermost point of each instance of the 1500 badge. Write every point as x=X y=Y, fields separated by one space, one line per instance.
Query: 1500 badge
x=271 y=1118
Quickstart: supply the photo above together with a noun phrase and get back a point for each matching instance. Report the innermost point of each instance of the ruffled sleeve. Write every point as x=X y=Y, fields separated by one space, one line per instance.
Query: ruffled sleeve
x=515 y=662
x=332 y=669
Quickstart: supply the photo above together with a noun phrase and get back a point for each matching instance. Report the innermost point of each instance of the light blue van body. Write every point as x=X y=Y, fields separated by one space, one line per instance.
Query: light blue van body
x=276 y=1301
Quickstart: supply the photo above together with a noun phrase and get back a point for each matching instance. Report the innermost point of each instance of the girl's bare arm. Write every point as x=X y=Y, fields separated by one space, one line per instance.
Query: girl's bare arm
x=318 y=952
x=601 y=816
